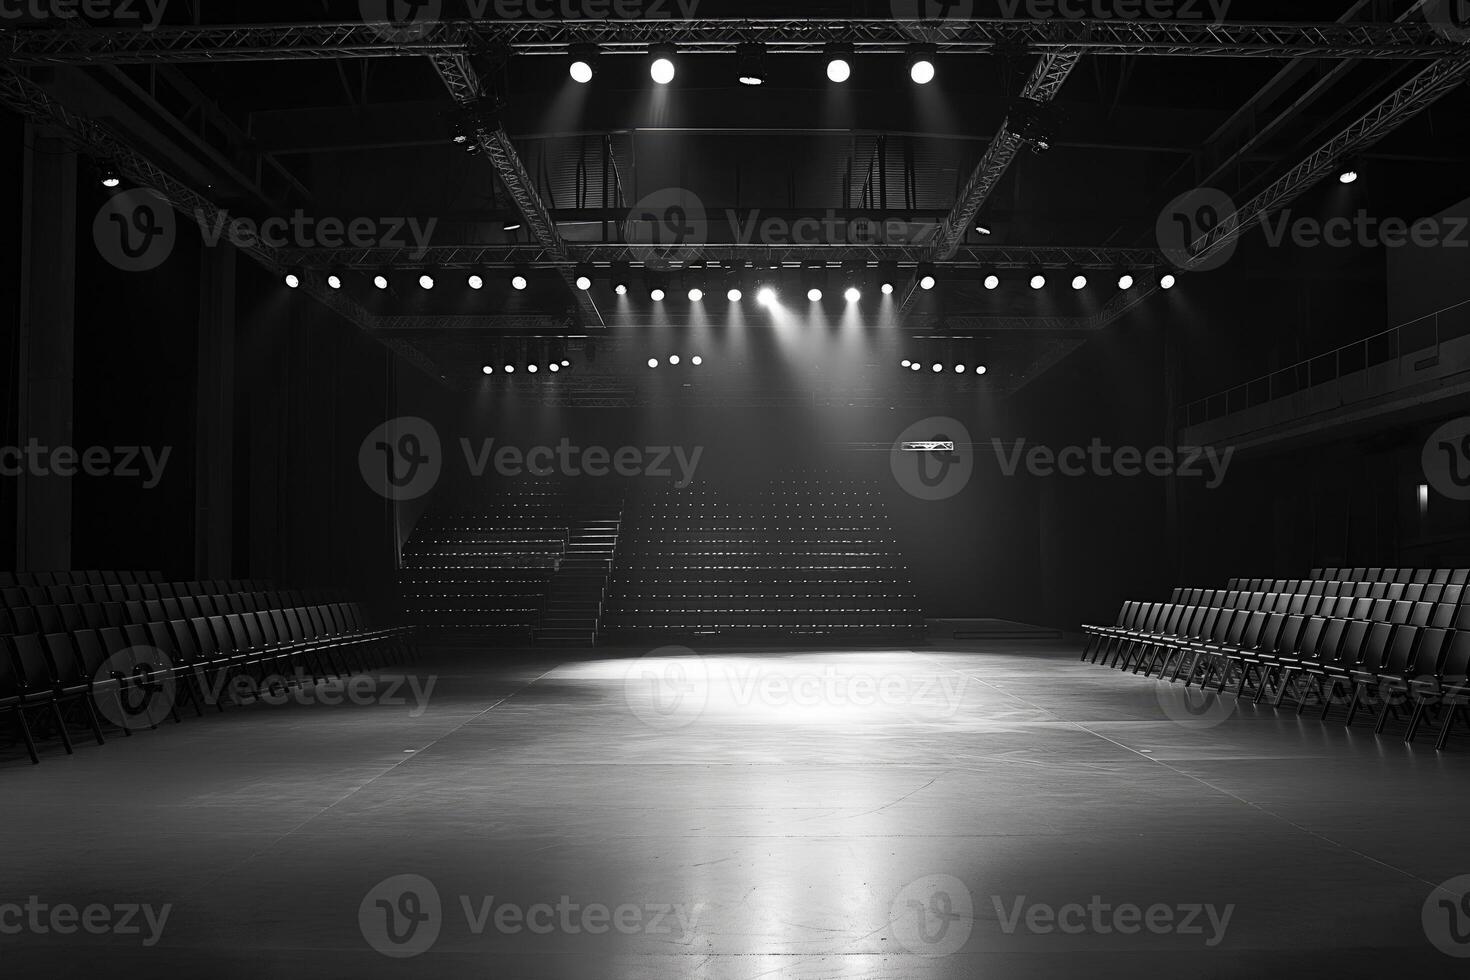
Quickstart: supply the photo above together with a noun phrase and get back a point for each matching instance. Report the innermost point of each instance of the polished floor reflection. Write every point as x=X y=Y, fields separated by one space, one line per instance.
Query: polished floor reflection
x=989 y=810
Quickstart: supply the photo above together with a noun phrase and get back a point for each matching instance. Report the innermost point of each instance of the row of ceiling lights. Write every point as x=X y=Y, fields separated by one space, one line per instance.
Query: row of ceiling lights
x=909 y=365
x=663 y=63
x=554 y=367
x=925 y=278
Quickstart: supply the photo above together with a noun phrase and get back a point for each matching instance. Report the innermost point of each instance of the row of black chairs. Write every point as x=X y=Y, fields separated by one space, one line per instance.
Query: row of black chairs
x=97 y=615
x=1400 y=576
x=90 y=677
x=1445 y=615
x=8 y=579
x=1304 y=657
x=44 y=595
x=1358 y=590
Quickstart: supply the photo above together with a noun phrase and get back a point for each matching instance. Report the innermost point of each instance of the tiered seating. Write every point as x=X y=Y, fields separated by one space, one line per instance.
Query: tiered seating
x=74 y=649
x=1393 y=641
x=490 y=569
x=803 y=557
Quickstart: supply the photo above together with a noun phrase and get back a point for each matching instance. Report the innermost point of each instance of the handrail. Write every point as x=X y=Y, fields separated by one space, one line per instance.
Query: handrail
x=1422 y=333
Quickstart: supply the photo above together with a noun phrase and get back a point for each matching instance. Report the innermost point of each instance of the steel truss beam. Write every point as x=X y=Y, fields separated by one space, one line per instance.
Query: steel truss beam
x=468 y=91
x=282 y=42
x=1002 y=258
x=1041 y=88
x=90 y=137
x=1413 y=97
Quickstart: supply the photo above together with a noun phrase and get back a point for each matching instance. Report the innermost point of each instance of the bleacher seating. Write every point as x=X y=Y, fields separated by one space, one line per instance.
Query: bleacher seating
x=803 y=557
x=70 y=641
x=1395 y=642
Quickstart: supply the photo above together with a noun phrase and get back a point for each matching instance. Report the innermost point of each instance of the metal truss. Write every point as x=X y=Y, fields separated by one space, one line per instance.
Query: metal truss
x=752 y=258
x=90 y=137
x=281 y=42
x=468 y=91
x=1406 y=102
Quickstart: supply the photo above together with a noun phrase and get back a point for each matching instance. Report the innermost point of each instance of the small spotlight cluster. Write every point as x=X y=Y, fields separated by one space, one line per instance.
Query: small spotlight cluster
x=532 y=368
x=675 y=360
x=940 y=368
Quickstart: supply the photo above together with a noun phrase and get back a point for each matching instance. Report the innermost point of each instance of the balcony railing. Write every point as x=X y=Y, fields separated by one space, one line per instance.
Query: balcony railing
x=1390 y=347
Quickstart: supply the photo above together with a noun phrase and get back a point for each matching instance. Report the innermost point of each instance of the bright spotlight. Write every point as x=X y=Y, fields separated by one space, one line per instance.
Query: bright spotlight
x=487 y=369
x=674 y=360
x=1348 y=176
x=584 y=283
x=927 y=276
x=1168 y=282
x=662 y=69
x=696 y=360
x=752 y=64
x=1080 y=282
x=766 y=296
x=426 y=281
x=814 y=294
x=477 y=282
x=531 y=368
x=734 y=295
x=581 y=72
x=928 y=282
x=959 y=369
x=939 y=369
x=653 y=362
x=657 y=295
x=907 y=363
x=1125 y=281
x=983 y=230
x=981 y=369
x=586 y=272
x=110 y=177
x=554 y=367
x=853 y=294
x=992 y=282
x=1038 y=282
x=519 y=282
x=696 y=295
x=334 y=281
x=293 y=281
x=566 y=363
x=839 y=63
x=888 y=289
x=921 y=66
x=380 y=281
x=510 y=369
x=915 y=366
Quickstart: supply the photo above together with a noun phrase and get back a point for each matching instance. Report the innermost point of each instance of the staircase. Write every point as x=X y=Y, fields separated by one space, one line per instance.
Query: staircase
x=573 y=611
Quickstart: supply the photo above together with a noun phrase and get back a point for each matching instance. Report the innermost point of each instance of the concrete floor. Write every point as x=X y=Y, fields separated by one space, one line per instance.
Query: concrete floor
x=906 y=814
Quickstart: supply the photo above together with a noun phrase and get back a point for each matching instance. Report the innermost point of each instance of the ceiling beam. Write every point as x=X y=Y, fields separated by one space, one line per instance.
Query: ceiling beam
x=167 y=44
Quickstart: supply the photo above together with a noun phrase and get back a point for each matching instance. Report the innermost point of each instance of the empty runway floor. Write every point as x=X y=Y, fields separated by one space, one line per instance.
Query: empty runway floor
x=989 y=810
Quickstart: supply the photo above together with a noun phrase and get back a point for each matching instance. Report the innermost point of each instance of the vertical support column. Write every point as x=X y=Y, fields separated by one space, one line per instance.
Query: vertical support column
x=45 y=350
x=214 y=492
